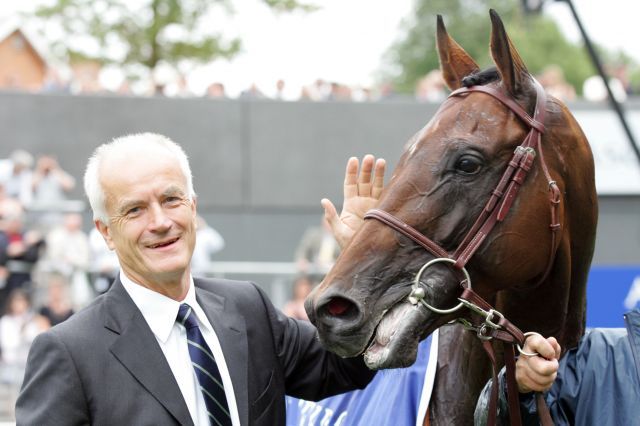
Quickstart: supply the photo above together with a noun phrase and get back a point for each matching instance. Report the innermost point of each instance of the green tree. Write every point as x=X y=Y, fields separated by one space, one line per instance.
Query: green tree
x=537 y=38
x=140 y=35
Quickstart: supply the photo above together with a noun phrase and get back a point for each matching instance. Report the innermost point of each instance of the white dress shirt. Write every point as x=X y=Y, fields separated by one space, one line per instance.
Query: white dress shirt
x=160 y=312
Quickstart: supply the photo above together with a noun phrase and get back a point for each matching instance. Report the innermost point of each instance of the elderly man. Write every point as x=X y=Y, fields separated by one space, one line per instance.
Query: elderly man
x=163 y=348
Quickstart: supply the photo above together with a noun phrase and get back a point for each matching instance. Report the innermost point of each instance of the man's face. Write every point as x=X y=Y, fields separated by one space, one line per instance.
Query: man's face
x=151 y=219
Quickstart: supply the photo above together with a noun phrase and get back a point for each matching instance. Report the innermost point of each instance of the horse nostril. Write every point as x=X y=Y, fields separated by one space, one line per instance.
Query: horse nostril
x=339 y=307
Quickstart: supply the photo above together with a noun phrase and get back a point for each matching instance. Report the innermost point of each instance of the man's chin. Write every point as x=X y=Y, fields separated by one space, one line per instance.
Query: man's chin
x=164 y=275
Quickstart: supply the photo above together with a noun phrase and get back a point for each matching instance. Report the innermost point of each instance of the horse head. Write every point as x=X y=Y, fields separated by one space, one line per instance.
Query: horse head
x=532 y=266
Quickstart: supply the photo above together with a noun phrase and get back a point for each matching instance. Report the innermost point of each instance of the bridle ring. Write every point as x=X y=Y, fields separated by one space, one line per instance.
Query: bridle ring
x=418 y=292
x=522 y=351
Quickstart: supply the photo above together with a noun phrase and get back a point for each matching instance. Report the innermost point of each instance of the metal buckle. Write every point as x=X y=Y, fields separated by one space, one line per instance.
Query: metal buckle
x=490 y=314
x=530 y=150
x=473 y=307
x=487 y=315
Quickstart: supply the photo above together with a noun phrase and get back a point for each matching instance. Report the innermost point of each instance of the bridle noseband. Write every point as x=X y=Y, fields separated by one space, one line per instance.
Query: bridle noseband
x=494 y=325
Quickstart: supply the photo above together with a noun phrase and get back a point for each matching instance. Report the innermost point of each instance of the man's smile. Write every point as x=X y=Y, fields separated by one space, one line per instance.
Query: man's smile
x=163 y=244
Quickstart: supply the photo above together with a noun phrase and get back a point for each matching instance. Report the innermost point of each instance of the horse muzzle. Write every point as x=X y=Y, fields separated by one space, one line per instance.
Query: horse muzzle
x=340 y=320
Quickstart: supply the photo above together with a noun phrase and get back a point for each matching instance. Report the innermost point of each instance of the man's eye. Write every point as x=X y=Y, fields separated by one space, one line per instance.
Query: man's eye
x=133 y=211
x=173 y=200
x=468 y=165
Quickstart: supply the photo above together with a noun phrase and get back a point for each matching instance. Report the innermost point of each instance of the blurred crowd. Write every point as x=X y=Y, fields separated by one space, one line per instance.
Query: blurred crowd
x=30 y=69
x=429 y=88
x=49 y=266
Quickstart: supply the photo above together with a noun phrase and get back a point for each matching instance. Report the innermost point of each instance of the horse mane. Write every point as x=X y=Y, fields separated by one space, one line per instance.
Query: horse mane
x=481 y=78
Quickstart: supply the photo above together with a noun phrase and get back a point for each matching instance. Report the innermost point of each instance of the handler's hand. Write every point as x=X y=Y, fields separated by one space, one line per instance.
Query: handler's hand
x=361 y=193
x=537 y=373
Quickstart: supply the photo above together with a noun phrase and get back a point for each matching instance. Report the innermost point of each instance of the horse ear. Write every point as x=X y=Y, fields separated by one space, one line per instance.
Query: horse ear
x=455 y=63
x=508 y=62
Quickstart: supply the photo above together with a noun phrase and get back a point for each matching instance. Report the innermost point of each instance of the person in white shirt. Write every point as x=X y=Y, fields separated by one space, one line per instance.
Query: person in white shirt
x=160 y=346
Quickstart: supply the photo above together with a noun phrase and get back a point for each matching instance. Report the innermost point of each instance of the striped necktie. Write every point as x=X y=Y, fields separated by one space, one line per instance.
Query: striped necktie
x=206 y=369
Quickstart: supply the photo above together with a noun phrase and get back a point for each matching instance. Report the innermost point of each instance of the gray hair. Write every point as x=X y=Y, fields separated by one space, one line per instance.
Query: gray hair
x=129 y=143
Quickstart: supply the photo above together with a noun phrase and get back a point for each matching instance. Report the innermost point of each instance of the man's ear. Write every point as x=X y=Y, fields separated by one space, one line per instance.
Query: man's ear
x=194 y=210
x=106 y=234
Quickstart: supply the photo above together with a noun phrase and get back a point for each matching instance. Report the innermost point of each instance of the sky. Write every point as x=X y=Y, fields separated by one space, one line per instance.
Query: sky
x=345 y=40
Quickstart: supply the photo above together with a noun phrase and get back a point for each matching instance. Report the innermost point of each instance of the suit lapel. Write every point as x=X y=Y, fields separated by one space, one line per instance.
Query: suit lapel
x=231 y=330
x=137 y=349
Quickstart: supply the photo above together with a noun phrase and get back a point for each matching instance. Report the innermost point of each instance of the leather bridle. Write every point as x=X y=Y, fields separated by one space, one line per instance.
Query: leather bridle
x=494 y=325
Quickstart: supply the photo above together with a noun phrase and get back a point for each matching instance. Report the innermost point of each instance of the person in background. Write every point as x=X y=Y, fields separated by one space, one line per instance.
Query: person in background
x=252 y=92
x=16 y=176
x=294 y=308
x=19 y=251
x=8 y=204
x=57 y=307
x=68 y=253
x=104 y=262
x=317 y=251
x=216 y=90
x=553 y=81
x=594 y=89
x=431 y=88
x=208 y=242
x=18 y=327
x=50 y=182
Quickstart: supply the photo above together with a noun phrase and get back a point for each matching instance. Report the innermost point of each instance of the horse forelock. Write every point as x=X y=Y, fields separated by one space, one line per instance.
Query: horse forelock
x=481 y=78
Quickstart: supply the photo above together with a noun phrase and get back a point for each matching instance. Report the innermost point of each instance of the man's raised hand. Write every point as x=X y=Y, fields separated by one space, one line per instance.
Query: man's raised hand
x=362 y=188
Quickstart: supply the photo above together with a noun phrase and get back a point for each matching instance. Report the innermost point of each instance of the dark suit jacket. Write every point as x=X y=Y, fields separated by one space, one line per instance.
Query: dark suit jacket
x=104 y=366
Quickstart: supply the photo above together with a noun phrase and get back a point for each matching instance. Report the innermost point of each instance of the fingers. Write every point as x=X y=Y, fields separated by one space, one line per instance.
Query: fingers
x=378 y=180
x=547 y=348
x=540 y=366
x=556 y=346
x=537 y=373
x=351 y=178
x=364 y=180
x=330 y=212
x=535 y=383
x=341 y=233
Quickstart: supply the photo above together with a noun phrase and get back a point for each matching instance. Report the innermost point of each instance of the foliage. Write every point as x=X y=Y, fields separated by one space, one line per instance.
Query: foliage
x=140 y=35
x=537 y=37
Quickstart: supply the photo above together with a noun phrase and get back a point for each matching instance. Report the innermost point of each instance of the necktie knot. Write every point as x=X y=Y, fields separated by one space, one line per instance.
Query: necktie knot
x=186 y=317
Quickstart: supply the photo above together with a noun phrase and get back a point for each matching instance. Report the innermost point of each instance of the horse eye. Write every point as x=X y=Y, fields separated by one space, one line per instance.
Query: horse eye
x=468 y=165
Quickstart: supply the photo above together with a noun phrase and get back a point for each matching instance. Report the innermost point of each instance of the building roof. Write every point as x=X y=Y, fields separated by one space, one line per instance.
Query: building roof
x=13 y=23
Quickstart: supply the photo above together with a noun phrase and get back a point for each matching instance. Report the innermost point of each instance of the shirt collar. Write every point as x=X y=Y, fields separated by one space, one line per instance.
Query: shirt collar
x=161 y=311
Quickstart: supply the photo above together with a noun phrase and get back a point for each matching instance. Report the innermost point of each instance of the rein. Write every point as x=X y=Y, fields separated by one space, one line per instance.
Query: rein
x=494 y=324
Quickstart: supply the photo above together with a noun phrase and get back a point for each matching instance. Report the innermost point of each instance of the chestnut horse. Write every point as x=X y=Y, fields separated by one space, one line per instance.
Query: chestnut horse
x=531 y=263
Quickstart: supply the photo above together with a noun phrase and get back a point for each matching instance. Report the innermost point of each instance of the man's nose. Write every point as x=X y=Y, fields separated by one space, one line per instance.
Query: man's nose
x=159 y=220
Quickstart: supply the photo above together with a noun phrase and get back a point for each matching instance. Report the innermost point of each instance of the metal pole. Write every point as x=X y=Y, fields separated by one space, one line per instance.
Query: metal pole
x=596 y=62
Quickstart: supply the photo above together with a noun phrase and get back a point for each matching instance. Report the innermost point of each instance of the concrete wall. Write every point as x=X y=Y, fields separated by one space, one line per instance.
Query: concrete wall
x=261 y=167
